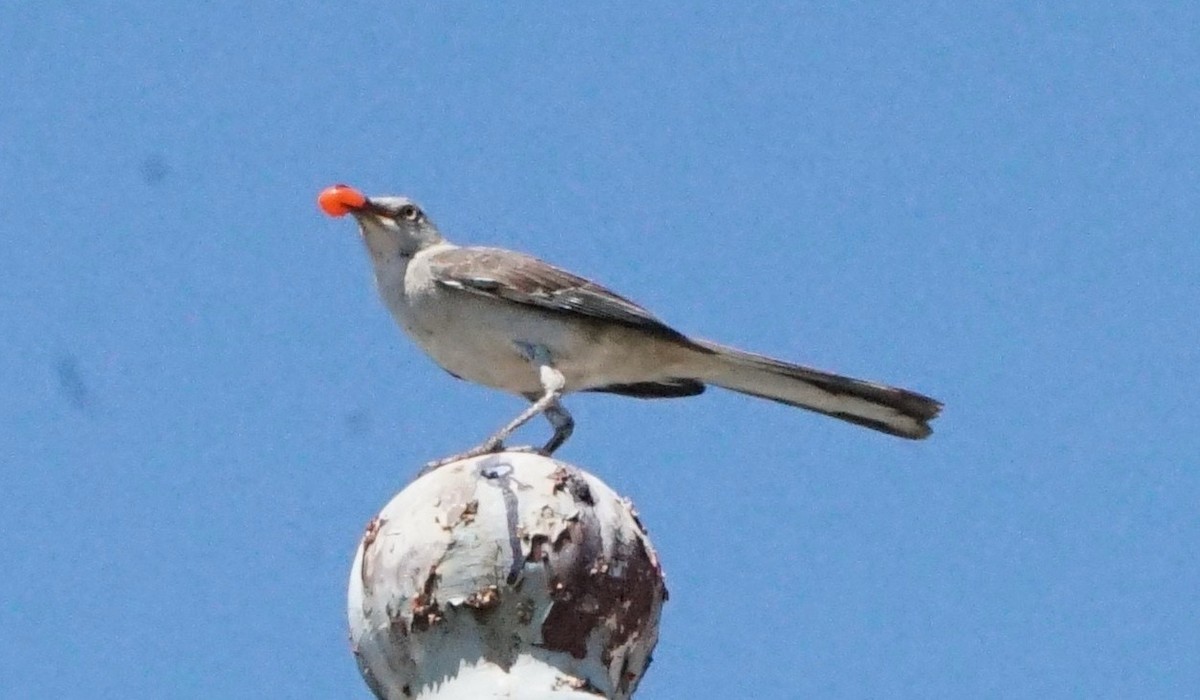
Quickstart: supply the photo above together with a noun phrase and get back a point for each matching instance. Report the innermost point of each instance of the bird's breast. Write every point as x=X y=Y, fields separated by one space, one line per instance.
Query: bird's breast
x=470 y=336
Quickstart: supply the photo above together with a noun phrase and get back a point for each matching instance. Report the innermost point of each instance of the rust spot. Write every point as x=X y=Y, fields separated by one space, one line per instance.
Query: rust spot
x=570 y=481
x=595 y=597
x=484 y=600
x=368 y=539
x=425 y=614
x=572 y=682
x=469 y=512
x=372 y=532
x=425 y=609
x=576 y=683
x=461 y=515
x=629 y=681
x=559 y=477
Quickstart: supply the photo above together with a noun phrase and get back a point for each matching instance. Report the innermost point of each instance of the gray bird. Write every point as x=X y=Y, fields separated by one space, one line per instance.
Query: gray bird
x=515 y=323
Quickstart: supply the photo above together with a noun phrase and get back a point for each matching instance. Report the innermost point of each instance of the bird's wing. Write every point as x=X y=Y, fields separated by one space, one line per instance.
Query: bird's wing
x=523 y=279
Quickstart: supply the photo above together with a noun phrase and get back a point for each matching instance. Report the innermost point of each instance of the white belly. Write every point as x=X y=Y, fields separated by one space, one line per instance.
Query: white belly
x=482 y=340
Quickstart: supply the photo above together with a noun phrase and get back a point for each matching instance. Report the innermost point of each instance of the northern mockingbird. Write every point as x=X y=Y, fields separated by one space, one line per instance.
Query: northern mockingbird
x=513 y=322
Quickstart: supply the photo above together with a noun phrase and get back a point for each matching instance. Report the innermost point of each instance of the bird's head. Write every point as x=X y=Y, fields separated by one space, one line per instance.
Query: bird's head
x=390 y=226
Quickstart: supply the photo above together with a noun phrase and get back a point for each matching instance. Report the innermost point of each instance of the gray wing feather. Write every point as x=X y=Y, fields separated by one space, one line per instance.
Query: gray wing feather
x=523 y=279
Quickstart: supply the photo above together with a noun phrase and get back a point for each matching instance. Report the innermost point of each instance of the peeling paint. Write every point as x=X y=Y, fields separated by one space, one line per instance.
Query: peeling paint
x=506 y=564
x=484 y=600
x=576 y=683
x=368 y=540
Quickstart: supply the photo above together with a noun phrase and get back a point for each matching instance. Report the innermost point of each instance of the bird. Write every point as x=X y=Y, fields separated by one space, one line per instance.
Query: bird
x=513 y=322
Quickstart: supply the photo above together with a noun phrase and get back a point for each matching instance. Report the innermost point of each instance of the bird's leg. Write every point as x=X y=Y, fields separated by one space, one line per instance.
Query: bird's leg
x=563 y=424
x=552 y=382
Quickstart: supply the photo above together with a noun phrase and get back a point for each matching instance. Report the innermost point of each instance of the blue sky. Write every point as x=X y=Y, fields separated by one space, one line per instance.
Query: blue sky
x=204 y=402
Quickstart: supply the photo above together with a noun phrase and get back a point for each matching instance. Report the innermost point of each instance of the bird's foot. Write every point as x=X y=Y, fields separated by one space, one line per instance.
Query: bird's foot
x=438 y=463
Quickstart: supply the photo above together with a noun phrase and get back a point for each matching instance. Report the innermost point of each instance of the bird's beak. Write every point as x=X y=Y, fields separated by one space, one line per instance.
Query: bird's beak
x=340 y=200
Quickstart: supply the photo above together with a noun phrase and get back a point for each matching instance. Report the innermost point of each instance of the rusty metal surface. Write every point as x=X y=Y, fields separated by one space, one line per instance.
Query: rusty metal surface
x=505 y=576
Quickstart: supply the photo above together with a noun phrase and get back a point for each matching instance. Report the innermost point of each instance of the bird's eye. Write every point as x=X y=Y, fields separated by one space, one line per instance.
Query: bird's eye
x=409 y=212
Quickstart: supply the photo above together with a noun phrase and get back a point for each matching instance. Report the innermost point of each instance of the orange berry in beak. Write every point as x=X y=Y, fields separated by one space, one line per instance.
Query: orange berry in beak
x=340 y=200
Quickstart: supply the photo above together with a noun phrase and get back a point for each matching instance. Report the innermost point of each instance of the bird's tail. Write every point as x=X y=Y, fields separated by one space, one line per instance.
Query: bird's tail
x=884 y=408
